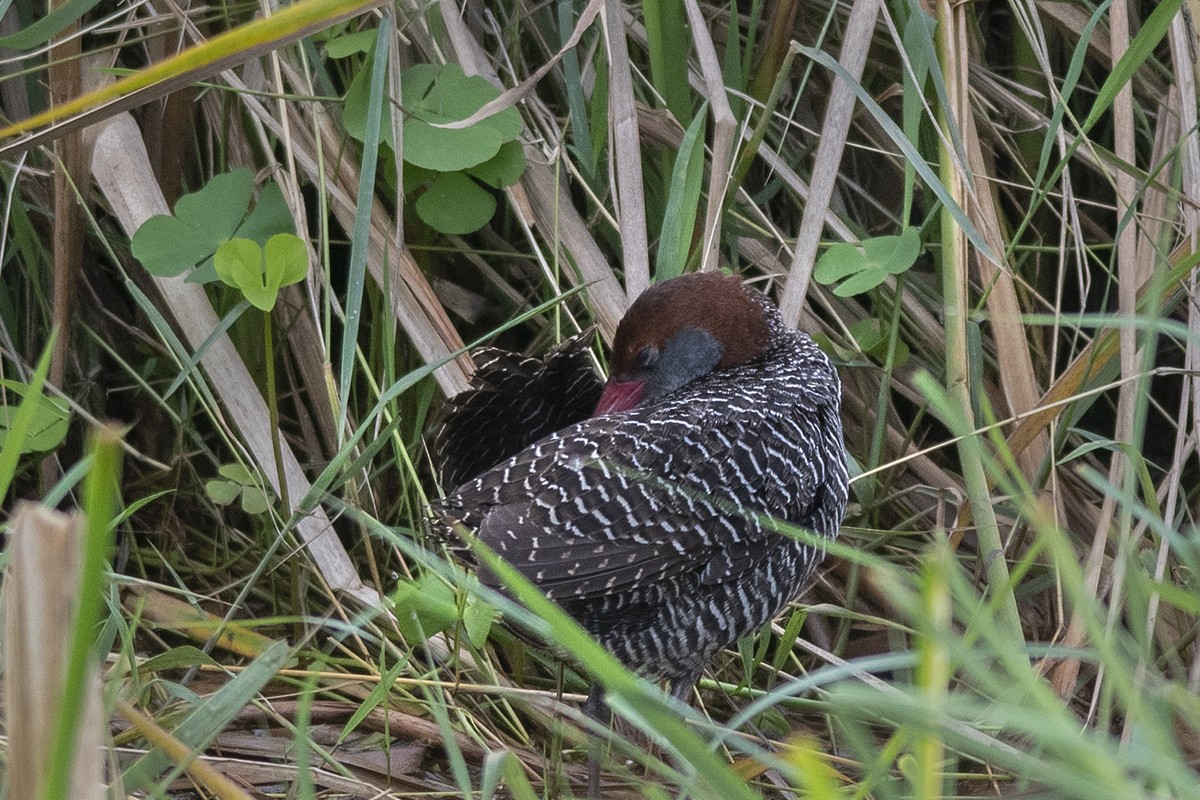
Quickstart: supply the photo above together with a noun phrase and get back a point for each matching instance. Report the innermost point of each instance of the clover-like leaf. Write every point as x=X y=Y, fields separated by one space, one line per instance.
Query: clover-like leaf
x=51 y=417
x=254 y=501
x=455 y=204
x=237 y=481
x=259 y=272
x=239 y=264
x=415 y=177
x=431 y=96
x=269 y=217
x=354 y=109
x=204 y=220
x=859 y=268
x=441 y=159
x=170 y=245
x=223 y=493
x=447 y=94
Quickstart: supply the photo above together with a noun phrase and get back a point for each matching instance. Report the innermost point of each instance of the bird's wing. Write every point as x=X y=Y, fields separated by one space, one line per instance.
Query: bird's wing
x=513 y=401
x=626 y=500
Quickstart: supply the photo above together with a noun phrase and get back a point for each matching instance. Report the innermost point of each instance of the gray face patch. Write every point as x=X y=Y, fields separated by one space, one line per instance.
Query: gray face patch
x=686 y=356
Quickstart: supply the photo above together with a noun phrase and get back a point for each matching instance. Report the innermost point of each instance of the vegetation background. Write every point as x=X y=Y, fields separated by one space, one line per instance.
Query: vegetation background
x=264 y=248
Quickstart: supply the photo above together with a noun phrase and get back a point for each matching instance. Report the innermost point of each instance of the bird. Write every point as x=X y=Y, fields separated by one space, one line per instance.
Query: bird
x=651 y=520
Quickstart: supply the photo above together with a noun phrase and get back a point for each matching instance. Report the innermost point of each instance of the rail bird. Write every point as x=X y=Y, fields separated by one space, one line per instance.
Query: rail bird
x=650 y=520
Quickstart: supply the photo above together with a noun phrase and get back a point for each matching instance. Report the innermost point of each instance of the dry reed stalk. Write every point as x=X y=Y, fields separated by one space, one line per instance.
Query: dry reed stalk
x=724 y=131
x=626 y=153
x=1017 y=378
x=39 y=615
x=65 y=83
x=1065 y=673
x=839 y=110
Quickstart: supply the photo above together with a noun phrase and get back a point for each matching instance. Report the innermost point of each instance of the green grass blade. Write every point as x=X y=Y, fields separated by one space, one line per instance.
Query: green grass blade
x=193 y=361
x=668 y=43
x=43 y=30
x=1139 y=53
x=683 y=203
x=580 y=130
x=100 y=496
x=21 y=422
x=359 y=242
x=212 y=716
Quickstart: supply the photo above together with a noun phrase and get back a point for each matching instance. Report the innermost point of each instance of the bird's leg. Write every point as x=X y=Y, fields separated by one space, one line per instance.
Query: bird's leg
x=596 y=709
x=681 y=690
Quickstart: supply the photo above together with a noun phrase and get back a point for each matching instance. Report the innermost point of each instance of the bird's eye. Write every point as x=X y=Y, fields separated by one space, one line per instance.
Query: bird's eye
x=646 y=357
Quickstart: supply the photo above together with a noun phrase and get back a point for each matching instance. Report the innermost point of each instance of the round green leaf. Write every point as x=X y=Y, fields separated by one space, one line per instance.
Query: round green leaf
x=861 y=282
x=464 y=94
x=167 y=247
x=447 y=94
x=220 y=206
x=269 y=216
x=415 y=177
x=416 y=83
x=455 y=204
x=448 y=149
x=237 y=259
x=837 y=262
x=435 y=95
x=236 y=473
x=254 y=502
x=503 y=169
x=895 y=254
x=354 y=109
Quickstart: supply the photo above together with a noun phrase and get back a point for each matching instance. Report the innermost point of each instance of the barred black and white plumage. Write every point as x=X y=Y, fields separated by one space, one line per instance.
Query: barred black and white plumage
x=513 y=401
x=647 y=521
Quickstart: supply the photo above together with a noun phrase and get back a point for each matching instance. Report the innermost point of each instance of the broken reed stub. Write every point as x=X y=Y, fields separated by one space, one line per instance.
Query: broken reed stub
x=39 y=608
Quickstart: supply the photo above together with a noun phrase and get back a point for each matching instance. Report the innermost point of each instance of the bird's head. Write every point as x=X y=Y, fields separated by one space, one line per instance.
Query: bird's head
x=678 y=331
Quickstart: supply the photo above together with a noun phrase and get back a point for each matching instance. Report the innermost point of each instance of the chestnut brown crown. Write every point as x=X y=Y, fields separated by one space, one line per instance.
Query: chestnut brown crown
x=680 y=330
